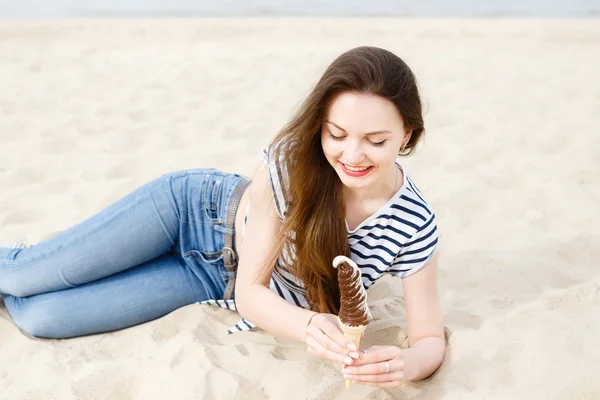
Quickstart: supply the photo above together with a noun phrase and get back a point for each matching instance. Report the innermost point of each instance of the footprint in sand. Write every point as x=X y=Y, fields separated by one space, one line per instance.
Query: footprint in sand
x=23 y=217
x=59 y=145
x=163 y=330
x=123 y=169
x=111 y=383
x=58 y=186
x=242 y=349
x=278 y=353
x=25 y=176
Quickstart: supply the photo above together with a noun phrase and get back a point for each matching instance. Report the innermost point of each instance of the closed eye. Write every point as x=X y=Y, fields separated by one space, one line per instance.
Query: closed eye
x=338 y=138
x=335 y=137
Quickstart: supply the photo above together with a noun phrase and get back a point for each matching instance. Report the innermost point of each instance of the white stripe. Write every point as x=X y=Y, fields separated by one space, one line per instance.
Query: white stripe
x=226 y=304
x=394 y=259
x=13 y=245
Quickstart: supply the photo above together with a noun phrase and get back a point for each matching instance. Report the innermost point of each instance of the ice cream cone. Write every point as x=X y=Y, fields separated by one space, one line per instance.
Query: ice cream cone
x=353 y=333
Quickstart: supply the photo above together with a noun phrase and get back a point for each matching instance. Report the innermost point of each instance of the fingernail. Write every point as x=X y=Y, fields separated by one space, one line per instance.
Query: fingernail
x=347 y=376
x=348 y=360
x=354 y=355
x=352 y=347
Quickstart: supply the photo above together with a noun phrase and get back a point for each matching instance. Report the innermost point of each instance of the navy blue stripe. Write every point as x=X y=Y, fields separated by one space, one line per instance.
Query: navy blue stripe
x=371 y=266
x=278 y=289
x=281 y=293
x=246 y=323
x=415 y=190
x=391 y=228
x=296 y=300
x=384 y=262
x=389 y=239
x=369 y=277
x=408 y=244
x=402 y=220
x=226 y=305
x=286 y=282
x=408 y=211
x=275 y=194
x=416 y=260
x=275 y=180
x=396 y=271
x=419 y=250
x=403 y=197
x=380 y=247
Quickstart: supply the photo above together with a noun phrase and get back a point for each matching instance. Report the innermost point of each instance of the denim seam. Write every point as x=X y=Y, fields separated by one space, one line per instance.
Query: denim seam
x=195 y=296
x=206 y=204
x=54 y=249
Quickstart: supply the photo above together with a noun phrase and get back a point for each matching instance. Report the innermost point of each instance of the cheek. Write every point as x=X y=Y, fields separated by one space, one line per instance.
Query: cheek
x=384 y=157
x=331 y=150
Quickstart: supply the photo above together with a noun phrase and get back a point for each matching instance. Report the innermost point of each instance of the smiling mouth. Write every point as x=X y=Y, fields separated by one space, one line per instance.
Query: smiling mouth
x=354 y=169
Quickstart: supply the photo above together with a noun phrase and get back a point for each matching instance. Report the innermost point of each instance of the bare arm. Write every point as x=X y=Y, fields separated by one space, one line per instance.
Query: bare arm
x=425 y=325
x=254 y=300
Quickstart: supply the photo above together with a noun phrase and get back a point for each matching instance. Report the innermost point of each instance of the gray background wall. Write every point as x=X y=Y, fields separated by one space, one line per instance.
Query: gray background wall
x=198 y=8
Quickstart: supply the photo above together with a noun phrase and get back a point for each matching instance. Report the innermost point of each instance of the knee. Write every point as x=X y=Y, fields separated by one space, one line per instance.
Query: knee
x=14 y=288
x=34 y=318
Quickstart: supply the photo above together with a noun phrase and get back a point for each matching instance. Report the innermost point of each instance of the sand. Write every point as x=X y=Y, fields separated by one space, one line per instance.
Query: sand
x=89 y=110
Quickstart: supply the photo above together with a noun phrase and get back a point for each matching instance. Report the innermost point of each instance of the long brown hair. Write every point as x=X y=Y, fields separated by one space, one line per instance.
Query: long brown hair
x=315 y=216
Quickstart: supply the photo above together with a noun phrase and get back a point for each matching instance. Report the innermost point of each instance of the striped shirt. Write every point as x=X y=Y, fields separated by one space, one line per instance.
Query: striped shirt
x=399 y=239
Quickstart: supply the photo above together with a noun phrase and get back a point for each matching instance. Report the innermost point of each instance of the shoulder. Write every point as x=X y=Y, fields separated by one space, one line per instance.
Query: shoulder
x=416 y=219
x=273 y=157
x=410 y=209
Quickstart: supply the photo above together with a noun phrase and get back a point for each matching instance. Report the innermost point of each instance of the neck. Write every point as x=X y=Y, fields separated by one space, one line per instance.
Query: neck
x=386 y=187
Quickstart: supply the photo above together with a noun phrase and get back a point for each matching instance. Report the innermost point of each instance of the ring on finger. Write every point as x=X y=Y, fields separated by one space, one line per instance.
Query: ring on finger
x=365 y=351
x=387 y=367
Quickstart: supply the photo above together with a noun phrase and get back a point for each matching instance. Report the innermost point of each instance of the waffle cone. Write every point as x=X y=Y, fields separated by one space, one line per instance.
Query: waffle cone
x=353 y=333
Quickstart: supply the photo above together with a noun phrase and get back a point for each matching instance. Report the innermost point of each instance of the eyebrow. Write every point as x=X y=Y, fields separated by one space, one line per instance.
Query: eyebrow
x=367 y=134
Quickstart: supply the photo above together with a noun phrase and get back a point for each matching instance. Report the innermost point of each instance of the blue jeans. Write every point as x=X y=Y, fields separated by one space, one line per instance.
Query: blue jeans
x=153 y=251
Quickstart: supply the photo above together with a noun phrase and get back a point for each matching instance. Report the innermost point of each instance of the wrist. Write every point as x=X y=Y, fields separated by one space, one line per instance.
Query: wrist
x=312 y=315
x=309 y=315
x=423 y=358
x=410 y=357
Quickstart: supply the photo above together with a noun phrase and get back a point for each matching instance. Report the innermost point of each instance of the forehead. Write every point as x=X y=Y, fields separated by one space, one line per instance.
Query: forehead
x=363 y=112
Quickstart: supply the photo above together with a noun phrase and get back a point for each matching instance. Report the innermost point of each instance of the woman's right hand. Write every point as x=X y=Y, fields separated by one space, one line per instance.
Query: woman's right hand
x=325 y=338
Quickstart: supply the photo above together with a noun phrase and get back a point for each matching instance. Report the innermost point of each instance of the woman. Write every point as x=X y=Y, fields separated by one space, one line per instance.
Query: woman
x=330 y=185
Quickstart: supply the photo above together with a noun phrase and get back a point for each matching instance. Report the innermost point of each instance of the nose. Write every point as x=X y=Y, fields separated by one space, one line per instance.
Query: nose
x=353 y=153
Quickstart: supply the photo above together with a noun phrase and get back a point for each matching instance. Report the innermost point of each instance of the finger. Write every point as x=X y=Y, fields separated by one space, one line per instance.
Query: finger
x=383 y=385
x=320 y=335
x=376 y=378
x=396 y=364
x=377 y=354
x=323 y=348
x=325 y=353
x=336 y=334
x=331 y=345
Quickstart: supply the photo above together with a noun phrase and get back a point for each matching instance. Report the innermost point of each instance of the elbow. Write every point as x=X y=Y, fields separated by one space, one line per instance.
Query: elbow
x=243 y=302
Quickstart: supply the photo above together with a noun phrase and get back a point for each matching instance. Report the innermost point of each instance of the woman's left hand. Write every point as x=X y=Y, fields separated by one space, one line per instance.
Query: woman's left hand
x=370 y=367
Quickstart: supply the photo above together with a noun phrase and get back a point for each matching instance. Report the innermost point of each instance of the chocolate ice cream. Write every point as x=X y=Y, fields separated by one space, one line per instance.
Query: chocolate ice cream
x=354 y=310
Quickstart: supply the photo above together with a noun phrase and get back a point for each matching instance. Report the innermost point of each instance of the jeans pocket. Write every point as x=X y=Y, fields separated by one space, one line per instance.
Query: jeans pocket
x=208 y=258
x=213 y=259
x=211 y=194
